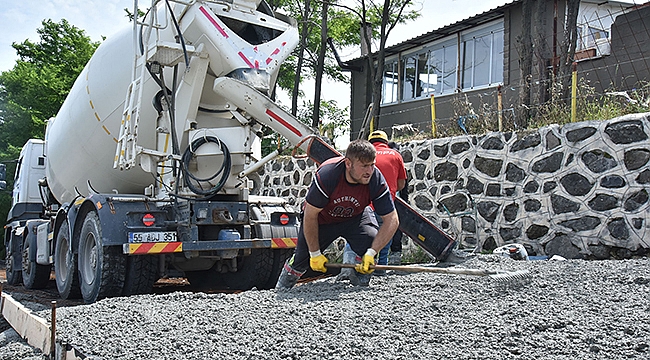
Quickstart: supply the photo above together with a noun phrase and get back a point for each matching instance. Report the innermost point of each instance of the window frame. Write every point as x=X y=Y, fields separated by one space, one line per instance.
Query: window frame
x=451 y=46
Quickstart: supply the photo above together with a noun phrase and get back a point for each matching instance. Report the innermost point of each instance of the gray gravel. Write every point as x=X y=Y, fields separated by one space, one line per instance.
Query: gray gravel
x=572 y=309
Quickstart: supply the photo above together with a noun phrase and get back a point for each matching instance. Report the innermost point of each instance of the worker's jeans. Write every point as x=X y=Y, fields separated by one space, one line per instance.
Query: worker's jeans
x=359 y=232
x=382 y=259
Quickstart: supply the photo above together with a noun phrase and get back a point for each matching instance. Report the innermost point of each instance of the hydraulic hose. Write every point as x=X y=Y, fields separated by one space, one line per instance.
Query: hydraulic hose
x=224 y=171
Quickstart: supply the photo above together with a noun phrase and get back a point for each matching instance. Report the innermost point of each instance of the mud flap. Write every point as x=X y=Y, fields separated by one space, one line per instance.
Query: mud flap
x=423 y=232
x=319 y=151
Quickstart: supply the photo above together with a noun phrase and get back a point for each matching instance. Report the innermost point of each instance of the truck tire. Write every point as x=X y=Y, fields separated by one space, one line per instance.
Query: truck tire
x=101 y=268
x=279 y=258
x=12 y=263
x=252 y=271
x=65 y=265
x=141 y=274
x=35 y=276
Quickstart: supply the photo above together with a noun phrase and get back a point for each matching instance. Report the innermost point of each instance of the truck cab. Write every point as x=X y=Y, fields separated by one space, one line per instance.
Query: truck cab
x=26 y=207
x=30 y=168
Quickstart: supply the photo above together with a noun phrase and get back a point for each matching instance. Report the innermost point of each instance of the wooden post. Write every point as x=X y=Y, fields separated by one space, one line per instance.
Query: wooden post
x=53 y=331
x=574 y=91
x=500 y=108
x=433 y=117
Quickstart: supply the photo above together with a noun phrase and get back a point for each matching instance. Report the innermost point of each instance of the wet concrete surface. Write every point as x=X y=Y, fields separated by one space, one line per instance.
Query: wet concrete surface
x=573 y=309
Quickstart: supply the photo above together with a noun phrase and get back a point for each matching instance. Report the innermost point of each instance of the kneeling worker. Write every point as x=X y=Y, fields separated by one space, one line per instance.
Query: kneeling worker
x=336 y=205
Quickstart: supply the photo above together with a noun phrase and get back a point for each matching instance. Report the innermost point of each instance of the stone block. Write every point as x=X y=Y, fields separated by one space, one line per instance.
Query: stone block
x=549 y=164
x=599 y=161
x=626 y=132
x=636 y=158
x=603 y=202
x=576 y=184
x=488 y=166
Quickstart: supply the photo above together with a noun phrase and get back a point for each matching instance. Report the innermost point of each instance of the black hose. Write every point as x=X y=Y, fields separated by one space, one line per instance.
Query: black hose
x=224 y=171
x=180 y=34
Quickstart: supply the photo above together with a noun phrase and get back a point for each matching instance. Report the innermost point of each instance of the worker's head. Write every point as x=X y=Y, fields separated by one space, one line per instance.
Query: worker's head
x=378 y=135
x=360 y=161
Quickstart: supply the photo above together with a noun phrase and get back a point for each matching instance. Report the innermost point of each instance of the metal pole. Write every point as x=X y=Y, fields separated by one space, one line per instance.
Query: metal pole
x=433 y=116
x=574 y=92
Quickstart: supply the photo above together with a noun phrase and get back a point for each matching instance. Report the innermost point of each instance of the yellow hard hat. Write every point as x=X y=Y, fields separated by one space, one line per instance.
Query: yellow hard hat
x=378 y=135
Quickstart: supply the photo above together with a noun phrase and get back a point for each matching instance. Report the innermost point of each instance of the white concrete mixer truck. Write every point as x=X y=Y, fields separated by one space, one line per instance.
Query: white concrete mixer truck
x=149 y=164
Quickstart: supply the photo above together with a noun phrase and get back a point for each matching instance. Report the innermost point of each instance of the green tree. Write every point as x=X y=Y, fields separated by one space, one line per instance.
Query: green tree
x=387 y=14
x=305 y=62
x=34 y=90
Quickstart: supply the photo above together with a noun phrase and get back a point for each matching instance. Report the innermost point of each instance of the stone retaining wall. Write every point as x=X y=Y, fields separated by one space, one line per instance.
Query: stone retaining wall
x=578 y=190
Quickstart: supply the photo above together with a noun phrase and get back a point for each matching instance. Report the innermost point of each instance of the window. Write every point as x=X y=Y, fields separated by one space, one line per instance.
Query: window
x=482 y=57
x=437 y=67
x=430 y=71
x=410 y=86
x=442 y=69
x=390 y=83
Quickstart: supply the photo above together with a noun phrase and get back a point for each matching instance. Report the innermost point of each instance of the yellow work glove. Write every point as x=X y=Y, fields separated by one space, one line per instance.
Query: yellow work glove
x=367 y=260
x=317 y=261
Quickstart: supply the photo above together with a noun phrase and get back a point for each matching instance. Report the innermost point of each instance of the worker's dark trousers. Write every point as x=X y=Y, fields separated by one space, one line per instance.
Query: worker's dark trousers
x=396 y=242
x=359 y=232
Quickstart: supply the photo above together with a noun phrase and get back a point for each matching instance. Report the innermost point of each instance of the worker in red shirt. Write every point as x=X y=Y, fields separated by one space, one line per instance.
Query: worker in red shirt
x=390 y=163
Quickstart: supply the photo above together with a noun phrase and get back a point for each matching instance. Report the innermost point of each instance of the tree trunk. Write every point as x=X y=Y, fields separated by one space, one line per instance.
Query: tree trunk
x=526 y=62
x=320 y=67
x=378 y=75
x=568 y=49
x=304 y=34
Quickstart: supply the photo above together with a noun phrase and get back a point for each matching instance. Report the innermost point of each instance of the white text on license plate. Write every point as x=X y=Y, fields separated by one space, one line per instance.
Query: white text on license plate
x=154 y=236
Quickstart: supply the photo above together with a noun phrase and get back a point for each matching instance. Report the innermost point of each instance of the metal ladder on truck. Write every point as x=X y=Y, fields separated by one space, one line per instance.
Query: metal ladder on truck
x=146 y=59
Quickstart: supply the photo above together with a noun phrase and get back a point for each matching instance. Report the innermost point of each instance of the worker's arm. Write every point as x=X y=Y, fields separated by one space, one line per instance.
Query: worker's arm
x=310 y=229
x=310 y=226
x=385 y=233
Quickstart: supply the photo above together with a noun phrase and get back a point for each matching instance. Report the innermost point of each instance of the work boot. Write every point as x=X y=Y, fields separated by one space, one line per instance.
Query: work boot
x=288 y=277
x=357 y=278
x=361 y=279
x=395 y=258
x=381 y=272
x=348 y=258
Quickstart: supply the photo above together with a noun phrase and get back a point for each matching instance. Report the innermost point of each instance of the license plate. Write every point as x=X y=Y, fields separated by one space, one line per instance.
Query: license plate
x=153 y=236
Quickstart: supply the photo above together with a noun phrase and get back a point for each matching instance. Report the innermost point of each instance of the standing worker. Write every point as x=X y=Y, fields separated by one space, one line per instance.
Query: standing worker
x=336 y=205
x=395 y=256
x=390 y=163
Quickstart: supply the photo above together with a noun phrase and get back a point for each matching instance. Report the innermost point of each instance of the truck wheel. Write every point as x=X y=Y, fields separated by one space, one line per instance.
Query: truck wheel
x=279 y=258
x=12 y=263
x=252 y=271
x=101 y=268
x=65 y=265
x=35 y=276
x=141 y=274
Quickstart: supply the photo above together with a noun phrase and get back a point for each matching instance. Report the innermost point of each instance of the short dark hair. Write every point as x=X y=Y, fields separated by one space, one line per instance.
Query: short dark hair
x=361 y=150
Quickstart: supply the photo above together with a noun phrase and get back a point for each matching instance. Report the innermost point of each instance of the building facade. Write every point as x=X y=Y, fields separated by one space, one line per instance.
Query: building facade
x=494 y=64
